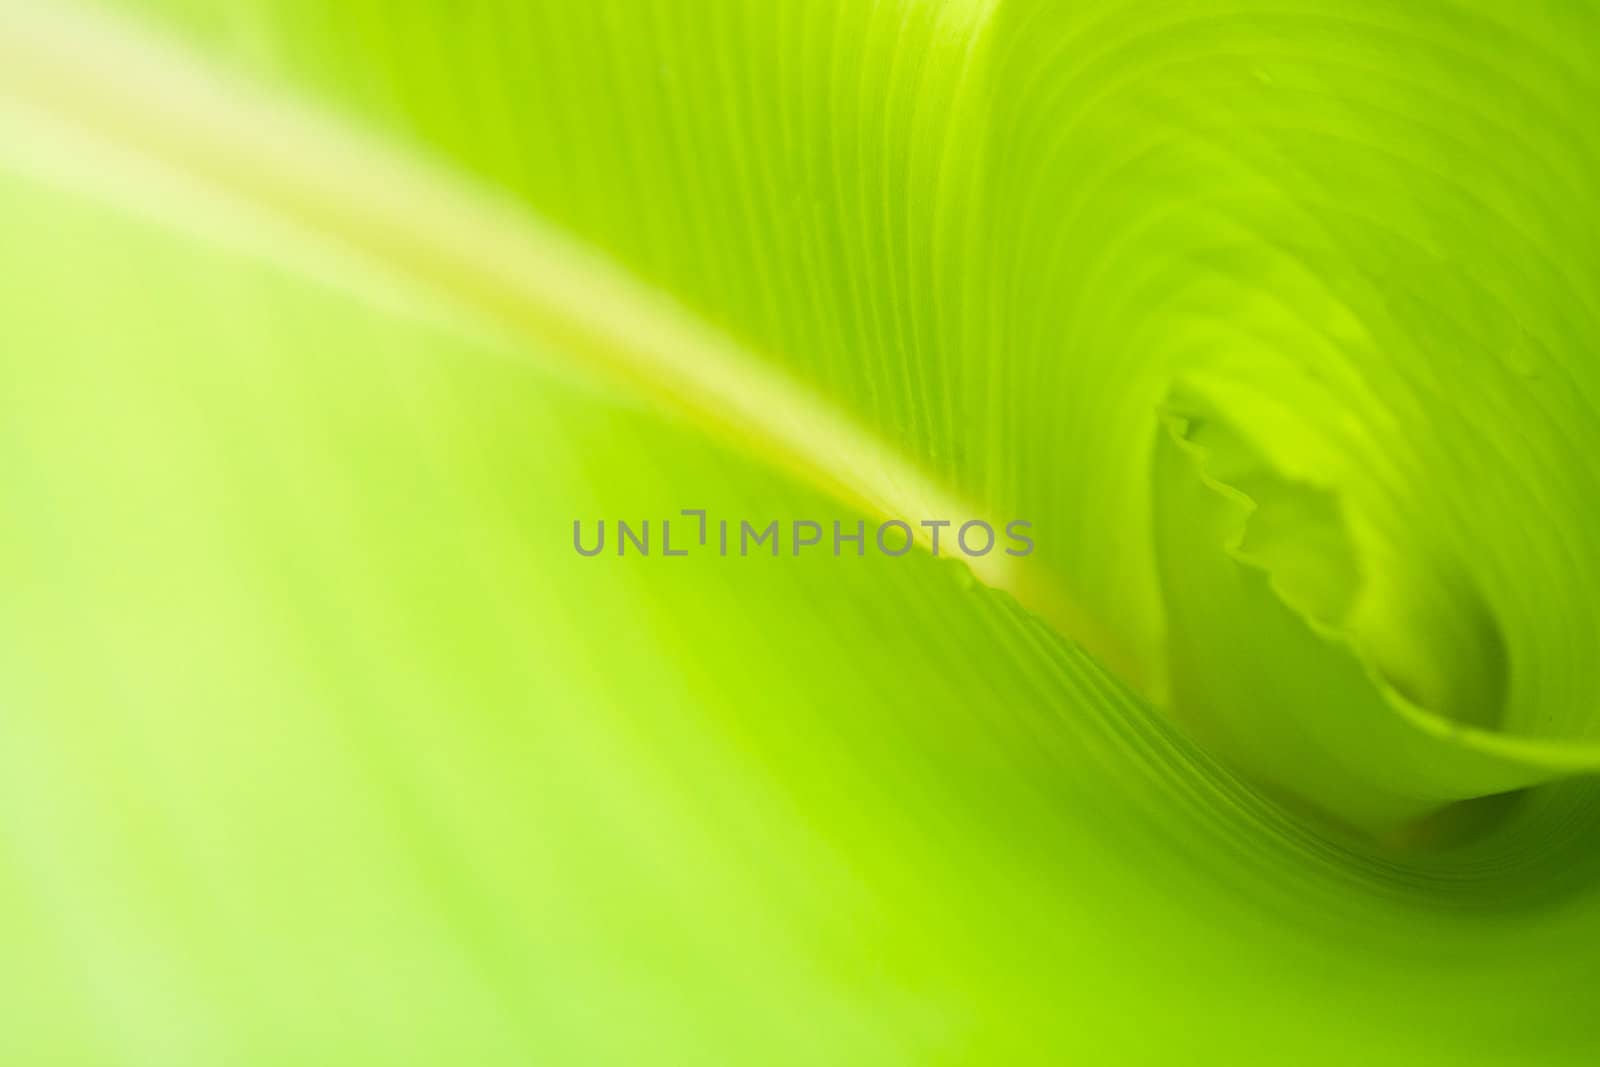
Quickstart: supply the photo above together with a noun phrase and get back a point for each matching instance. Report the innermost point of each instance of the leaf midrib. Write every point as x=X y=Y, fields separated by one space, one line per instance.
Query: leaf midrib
x=492 y=259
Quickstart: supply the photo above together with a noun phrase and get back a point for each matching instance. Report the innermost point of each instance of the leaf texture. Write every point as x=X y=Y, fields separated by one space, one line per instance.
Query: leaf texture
x=324 y=746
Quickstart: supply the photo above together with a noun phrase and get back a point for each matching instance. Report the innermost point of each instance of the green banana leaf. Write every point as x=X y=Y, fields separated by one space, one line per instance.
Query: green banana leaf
x=330 y=332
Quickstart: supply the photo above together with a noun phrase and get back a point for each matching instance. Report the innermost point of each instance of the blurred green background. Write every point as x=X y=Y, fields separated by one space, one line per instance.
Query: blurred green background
x=319 y=744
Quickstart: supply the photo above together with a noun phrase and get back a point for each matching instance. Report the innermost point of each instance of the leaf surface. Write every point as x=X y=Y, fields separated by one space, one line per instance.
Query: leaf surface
x=323 y=326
